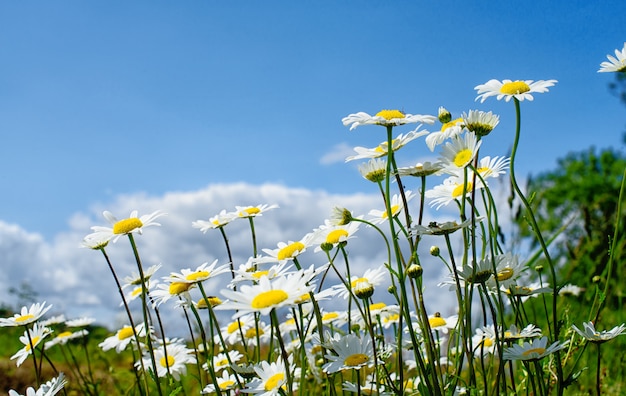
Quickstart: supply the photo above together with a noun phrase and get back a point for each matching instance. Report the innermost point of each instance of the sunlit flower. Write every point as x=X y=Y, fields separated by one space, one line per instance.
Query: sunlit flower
x=217 y=221
x=30 y=339
x=136 y=291
x=381 y=149
x=492 y=167
x=396 y=206
x=421 y=169
x=449 y=129
x=328 y=236
x=526 y=291
x=452 y=188
x=222 y=361
x=435 y=228
x=340 y=216
x=53 y=320
x=249 y=271
x=441 y=324
x=590 y=333
x=372 y=276
x=350 y=352
x=166 y=291
x=513 y=333
x=232 y=331
x=535 y=350
x=508 y=271
x=479 y=122
x=615 y=64
x=272 y=378
x=200 y=274
x=122 y=338
x=64 y=337
x=134 y=278
x=253 y=211
x=96 y=241
x=171 y=358
x=50 y=388
x=570 y=290
x=80 y=322
x=266 y=295
x=225 y=383
x=286 y=251
x=508 y=89
x=26 y=315
x=476 y=274
x=386 y=118
x=459 y=152
x=484 y=340
x=126 y=226
x=374 y=170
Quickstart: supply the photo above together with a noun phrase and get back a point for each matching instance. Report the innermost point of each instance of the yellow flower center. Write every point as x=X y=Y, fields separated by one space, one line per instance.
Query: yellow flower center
x=486 y=342
x=437 y=321
x=534 y=350
x=330 y=316
x=458 y=190
x=259 y=274
x=35 y=341
x=127 y=225
x=451 y=123
x=64 y=334
x=250 y=333
x=273 y=381
x=205 y=302
x=383 y=147
x=391 y=318
x=234 y=326
x=356 y=359
x=394 y=210
x=290 y=250
x=198 y=275
x=335 y=236
x=178 y=287
x=390 y=114
x=505 y=274
x=137 y=291
x=221 y=363
x=463 y=157
x=377 y=306
x=124 y=333
x=227 y=384
x=24 y=318
x=357 y=281
x=514 y=88
x=508 y=334
x=268 y=299
x=169 y=362
x=251 y=211
x=290 y=322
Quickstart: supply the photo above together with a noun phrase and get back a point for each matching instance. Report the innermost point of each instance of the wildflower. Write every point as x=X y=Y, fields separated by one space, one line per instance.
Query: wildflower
x=396 y=206
x=266 y=295
x=64 y=337
x=443 y=115
x=421 y=169
x=30 y=339
x=232 y=331
x=122 y=338
x=253 y=211
x=452 y=189
x=249 y=271
x=209 y=301
x=492 y=167
x=590 y=333
x=477 y=273
x=508 y=89
x=135 y=279
x=439 y=323
x=513 y=333
x=126 y=226
x=170 y=358
x=615 y=64
x=374 y=170
x=340 y=216
x=373 y=276
x=50 y=388
x=222 y=361
x=217 y=221
x=329 y=235
x=164 y=292
x=350 y=352
x=508 y=271
x=570 y=290
x=535 y=350
x=480 y=122
x=458 y=153
x=385 y=118
x=449 y=129
x=484 y=340
x=225 y=383
x=286 y=251
x=382 y=149
x=446 y=228
x=80 y=322
x=26 y=315
x=200 y=274
x=527 y=291
x=96 y=241
x=272 y=378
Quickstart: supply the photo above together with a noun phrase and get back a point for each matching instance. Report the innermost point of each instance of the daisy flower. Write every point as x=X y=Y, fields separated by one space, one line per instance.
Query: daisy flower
x=508 y=270
x=286 y=251
x=217 y=221
x=340 y=216
x=175 y=363
x=484 y=340
x=374 y=170
x=492 y=167
x=479 y=122
x=508 y=89
x=381 y=149
x=164 y=292
x=448 y=130
x=372 y=276
x=421 y=169
x=571 y=290
x=134 y=278
x=200 y=274
x=535 y=350
x=441 y=324
x=272 y=377
x=64 y=337
x=615 y=64
x=26 y=315
x=350 y=352
x=50 y=388
x=96 y=241
x=477 y=273
x=266 y=295
x=225 y=383
x=329 y=235
x=524 y=292
x=459 y=152
x=590 y=333
x=232 y=331
x=452 y=188
x=122 y=338
x=125 y=226
x=222 y=361
x=247 y=272
x=435 y=228
x=513 y=333
x=397 y=205
x=80 y=322
x=253 y=211
x=386 y=118
x=30 y=339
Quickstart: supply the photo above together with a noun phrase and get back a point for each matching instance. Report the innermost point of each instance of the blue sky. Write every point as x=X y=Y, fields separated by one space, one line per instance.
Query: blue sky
x=197 y=106
x=105 y=98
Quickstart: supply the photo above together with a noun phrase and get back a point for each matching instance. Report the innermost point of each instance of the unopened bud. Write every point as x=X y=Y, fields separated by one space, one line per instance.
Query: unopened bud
x=414 y=271
x=434 y=251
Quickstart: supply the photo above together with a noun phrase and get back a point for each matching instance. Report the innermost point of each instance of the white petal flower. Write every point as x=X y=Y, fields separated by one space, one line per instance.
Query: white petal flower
x=590 y=333
x=615 y=64
x=126 y=226
x=382 y=149
x=508 y=89
x=386 y=118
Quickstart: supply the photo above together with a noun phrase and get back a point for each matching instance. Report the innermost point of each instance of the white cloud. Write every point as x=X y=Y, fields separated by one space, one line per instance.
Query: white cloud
x=78 y=281
x=337 y=154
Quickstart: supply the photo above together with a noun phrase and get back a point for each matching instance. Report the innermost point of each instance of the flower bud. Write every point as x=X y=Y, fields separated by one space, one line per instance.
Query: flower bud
x=363 y=289
x=414 y=271
x=444 y=115
x=434 y=251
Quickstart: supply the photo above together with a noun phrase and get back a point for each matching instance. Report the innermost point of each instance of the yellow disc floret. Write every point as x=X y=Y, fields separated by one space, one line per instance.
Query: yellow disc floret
x=514 y=88
x=127 y=226
x=390 y=114
x=268 y=299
